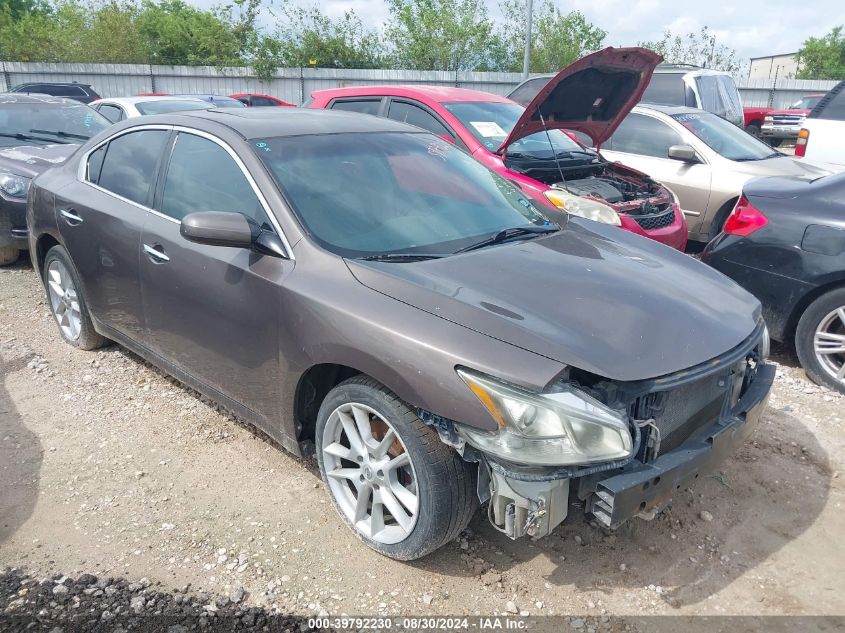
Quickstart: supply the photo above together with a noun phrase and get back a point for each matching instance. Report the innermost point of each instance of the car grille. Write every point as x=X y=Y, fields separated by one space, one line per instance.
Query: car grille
x=678 y=413
x=787 y=119
x=655 y=220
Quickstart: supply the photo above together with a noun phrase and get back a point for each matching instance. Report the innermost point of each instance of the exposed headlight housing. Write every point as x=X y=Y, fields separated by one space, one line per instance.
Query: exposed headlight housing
x=582 y=207
x=565 y=427
x=13 y=185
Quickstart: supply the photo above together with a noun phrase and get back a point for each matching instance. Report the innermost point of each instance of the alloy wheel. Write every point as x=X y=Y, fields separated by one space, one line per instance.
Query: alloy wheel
x=64 y=299
x=829 y=344
x=370 y=473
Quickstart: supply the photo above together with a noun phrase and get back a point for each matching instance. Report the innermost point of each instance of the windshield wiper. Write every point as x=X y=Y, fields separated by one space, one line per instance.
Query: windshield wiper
x=24 y=137
x=61 y=134
x=400 y=257
x=508 y=234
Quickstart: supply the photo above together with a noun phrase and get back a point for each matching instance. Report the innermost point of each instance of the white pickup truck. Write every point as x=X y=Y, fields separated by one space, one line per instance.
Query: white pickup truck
x=821 y=140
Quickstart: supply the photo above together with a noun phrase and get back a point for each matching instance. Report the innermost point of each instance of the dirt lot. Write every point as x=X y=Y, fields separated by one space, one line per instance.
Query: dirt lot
x=108 y=467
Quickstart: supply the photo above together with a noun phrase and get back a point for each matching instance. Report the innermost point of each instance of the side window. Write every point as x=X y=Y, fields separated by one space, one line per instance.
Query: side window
x=202 y=176
x=526 y=91
x=364 y=106
x=415 y=115
x=46 y=89
x=643 y=135
x=73 y=91
x=112 y=112
x=835 y=108
x=130 y=164
x=263 y=101
x=95 y=163
x=667 y=89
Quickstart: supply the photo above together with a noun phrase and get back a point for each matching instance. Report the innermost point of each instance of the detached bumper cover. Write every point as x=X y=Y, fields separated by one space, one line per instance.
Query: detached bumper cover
x=647 y=488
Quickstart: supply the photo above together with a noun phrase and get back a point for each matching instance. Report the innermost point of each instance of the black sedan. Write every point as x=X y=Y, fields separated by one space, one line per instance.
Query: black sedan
x=785 y=243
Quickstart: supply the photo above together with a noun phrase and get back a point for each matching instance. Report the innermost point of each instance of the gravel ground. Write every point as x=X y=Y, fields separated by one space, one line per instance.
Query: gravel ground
x=114 y=475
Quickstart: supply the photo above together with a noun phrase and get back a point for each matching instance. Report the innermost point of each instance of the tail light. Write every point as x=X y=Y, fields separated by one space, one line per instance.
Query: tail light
x=801 y=142
x=744 y=219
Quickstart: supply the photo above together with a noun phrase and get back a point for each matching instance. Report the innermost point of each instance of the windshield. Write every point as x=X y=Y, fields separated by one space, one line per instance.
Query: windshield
x=171 y=105
x=491 y=122
x=46 y=123
x=724 y=137
x=807 y=103
x=371 y=194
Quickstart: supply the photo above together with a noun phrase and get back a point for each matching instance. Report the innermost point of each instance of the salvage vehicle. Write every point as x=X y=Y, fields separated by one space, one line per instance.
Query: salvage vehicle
x=704 y=159
x=119 y=108
x=530 y=146
x=672 y=85
x=754 y=116
x=36 y=133
x=784 y=125
x=785 y=243
x=83 y=93
x=821 y=140
x=426 y=328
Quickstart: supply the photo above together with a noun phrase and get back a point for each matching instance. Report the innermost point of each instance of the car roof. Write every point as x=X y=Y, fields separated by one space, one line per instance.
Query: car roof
x=440 y=94
x=141 y=99
x=29 y=98
x=272 y=122
x=52 y=83
x=666 y=109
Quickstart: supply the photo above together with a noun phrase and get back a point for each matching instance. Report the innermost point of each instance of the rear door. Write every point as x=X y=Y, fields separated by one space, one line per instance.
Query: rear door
x=100 y=217
x=643 y=142
x=213 y=311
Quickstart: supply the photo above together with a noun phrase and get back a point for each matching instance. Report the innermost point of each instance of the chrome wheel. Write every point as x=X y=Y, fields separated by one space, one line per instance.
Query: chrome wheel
x=64 y=300
x=370 y=473
x=829 y=344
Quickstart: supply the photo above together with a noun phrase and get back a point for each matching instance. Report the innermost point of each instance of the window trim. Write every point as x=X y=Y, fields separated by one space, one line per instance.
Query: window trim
x=458 y=141
x=82 y=173
x=380 y=99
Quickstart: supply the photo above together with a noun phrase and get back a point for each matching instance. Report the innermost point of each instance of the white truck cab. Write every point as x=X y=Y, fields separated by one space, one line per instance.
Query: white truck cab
x=821 y=140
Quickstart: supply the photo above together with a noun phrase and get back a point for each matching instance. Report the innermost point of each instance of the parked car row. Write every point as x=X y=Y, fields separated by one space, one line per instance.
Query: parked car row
x=449 y=313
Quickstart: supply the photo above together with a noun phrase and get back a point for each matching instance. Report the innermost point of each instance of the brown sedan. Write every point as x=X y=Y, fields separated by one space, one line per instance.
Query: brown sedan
x=359 y=287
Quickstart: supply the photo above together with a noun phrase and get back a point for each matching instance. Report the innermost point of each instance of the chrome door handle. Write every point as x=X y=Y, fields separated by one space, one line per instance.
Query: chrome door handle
x=156 y=253
x=70 y=216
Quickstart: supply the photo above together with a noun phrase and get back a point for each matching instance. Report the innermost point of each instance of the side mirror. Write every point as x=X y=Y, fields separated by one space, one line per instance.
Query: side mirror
x=684 y=153
x=217 y=228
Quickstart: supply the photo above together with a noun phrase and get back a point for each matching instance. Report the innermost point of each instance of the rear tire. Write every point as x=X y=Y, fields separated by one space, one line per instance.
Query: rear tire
x=820 y=333
x=9 y=255
x=67 y=303
x=433 y=492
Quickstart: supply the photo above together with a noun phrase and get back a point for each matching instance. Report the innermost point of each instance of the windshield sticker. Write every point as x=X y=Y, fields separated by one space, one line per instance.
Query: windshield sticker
x=438 y=149
x=682 y=118
x=488 y=129
x=263 y=146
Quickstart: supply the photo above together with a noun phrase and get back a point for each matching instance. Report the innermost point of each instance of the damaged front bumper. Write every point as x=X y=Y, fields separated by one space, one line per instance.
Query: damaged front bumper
x=533 y=501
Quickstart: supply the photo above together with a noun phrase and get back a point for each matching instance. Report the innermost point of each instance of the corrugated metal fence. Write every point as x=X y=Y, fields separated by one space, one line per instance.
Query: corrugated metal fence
x=295 y=84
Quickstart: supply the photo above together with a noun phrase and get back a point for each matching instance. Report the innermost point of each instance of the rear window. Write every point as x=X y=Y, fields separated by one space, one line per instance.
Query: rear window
x=832 y=105
x=666 y=89
x=526 y=91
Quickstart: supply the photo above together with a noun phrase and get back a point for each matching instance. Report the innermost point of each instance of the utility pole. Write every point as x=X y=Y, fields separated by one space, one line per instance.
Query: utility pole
x=527 y=58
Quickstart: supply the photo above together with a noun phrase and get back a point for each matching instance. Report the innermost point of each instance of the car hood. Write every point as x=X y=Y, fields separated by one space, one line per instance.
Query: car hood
x=590 y=296
x=31 y=160
x=780 y=166
x=592 y=95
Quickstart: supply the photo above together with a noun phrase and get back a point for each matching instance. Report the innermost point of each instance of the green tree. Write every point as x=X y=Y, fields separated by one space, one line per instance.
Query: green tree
x=441 y=35
x=557 y=38
x=698 y=49
x=823 y=57
x=308 y=37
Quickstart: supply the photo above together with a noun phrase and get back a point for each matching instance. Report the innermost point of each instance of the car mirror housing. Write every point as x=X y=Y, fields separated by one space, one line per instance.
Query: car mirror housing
x=684 y=153
x=217 y=228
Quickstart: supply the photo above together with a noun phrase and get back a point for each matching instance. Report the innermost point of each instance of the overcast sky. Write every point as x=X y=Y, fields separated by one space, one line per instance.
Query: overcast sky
x=754 y=28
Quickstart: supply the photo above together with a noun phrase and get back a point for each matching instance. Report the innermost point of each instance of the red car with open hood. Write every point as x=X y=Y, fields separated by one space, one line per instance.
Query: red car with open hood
x=534 y=146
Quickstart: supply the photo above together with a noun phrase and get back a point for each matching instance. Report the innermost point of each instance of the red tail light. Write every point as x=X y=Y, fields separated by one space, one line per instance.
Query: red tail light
x=745 y=219
x=801 y=142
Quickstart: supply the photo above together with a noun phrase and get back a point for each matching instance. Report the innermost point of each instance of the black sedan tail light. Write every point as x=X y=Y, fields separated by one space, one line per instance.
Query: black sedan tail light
x=744 y=219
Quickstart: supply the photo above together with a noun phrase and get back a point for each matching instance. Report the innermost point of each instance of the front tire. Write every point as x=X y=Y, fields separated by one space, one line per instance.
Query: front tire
x=753 y=129
x=9 y=255
x=820 y=340
x=395 y=484
x=774 y=142
x=67 y=303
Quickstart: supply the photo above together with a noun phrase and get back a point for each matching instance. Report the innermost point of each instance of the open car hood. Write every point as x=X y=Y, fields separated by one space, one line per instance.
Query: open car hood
x=592 y=95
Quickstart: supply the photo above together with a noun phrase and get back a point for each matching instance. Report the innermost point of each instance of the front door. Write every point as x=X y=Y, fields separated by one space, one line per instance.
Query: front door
x=212 y=311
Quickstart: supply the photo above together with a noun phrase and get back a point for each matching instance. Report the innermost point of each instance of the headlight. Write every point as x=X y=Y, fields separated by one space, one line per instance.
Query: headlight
x=13 y=185
x=768 y=119
x=562 y=428
x=583 y=207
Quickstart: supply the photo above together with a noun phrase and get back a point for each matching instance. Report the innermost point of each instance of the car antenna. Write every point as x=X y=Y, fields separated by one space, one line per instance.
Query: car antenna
x=552 y=147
